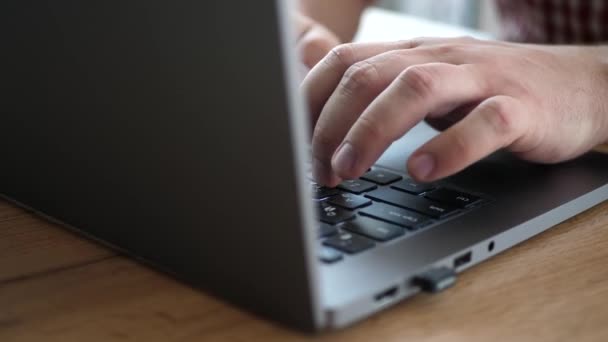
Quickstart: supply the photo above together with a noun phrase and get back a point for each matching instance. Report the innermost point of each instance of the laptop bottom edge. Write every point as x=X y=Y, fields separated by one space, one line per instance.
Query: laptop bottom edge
x=355 y=311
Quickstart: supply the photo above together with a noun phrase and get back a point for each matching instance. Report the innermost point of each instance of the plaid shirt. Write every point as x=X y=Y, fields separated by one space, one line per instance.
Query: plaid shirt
x=554 y=21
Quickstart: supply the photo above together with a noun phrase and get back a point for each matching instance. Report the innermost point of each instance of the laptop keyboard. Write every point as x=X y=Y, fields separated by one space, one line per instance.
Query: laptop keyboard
x=380 y=207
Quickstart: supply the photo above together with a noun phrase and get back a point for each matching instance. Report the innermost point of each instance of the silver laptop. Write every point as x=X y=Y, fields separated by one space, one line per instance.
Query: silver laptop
x=175 y=132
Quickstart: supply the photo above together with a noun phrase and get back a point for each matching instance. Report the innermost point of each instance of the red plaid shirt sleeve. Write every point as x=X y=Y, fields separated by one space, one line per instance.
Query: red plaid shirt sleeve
x=554 y=21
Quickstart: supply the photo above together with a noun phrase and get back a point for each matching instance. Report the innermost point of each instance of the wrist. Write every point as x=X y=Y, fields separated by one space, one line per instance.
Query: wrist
x=595 y=58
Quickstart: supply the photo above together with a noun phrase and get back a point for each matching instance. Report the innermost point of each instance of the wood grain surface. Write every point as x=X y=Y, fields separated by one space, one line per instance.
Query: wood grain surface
x=55 y=286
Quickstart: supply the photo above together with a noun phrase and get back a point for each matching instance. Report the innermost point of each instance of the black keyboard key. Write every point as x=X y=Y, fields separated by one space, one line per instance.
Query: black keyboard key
x=453 y=197
x=328 y=255
x=381 y=177
x=373 y=229
x=411 y=186
x=398 y=216
x=349 y=243
x=326 y=230
x=334 y=215
x=408 y=201
x=320 y=192
x=356 y=186
x=349 y=201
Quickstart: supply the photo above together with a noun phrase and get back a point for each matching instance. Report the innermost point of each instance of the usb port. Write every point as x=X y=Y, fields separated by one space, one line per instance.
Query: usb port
x=387 y=294
x=463 y=259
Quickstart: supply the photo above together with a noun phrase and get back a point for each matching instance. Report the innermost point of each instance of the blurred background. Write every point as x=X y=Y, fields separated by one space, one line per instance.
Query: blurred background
x=475 y=14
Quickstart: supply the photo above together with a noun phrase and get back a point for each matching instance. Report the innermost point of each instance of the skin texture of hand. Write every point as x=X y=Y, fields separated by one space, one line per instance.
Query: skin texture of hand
x=545 y=104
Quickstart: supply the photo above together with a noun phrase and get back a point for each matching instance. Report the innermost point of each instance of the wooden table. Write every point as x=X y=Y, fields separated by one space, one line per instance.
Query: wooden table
x=56 y=286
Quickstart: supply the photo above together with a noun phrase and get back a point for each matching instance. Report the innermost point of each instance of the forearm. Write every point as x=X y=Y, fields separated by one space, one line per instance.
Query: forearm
x=340 y=16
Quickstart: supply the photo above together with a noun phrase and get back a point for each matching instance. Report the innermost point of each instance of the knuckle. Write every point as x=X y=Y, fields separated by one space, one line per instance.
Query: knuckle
x=419 y=80
x=443 y=50
x=410 y=43
x=449 y=50
x=483 y=84
x=466 y=39
x=360 y=76
x=498 y=117
x=341 y=56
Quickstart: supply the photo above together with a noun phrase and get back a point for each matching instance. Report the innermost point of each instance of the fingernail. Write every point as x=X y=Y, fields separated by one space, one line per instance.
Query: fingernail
x=345 y=158
x=422 y=166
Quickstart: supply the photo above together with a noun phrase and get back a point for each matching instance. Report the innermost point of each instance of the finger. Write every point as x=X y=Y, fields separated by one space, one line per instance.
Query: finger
x=325 y=77
x=302 y=23
x=359 y=86
x=496 y=123
x=419 y=91
x=315 y=43
x=321 y=81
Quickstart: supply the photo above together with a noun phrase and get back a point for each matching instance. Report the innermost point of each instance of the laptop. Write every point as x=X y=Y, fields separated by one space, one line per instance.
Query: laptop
x=175 y=132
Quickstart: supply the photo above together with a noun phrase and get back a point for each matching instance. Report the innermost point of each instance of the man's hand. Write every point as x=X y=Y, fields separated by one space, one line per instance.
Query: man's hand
x=544 y=104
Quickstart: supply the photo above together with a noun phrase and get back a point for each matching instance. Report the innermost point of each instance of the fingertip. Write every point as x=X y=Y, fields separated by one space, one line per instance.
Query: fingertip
x=324 y=175
x=344 y=160
x=330 y=181
x=421 y=166
x=334 y=182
